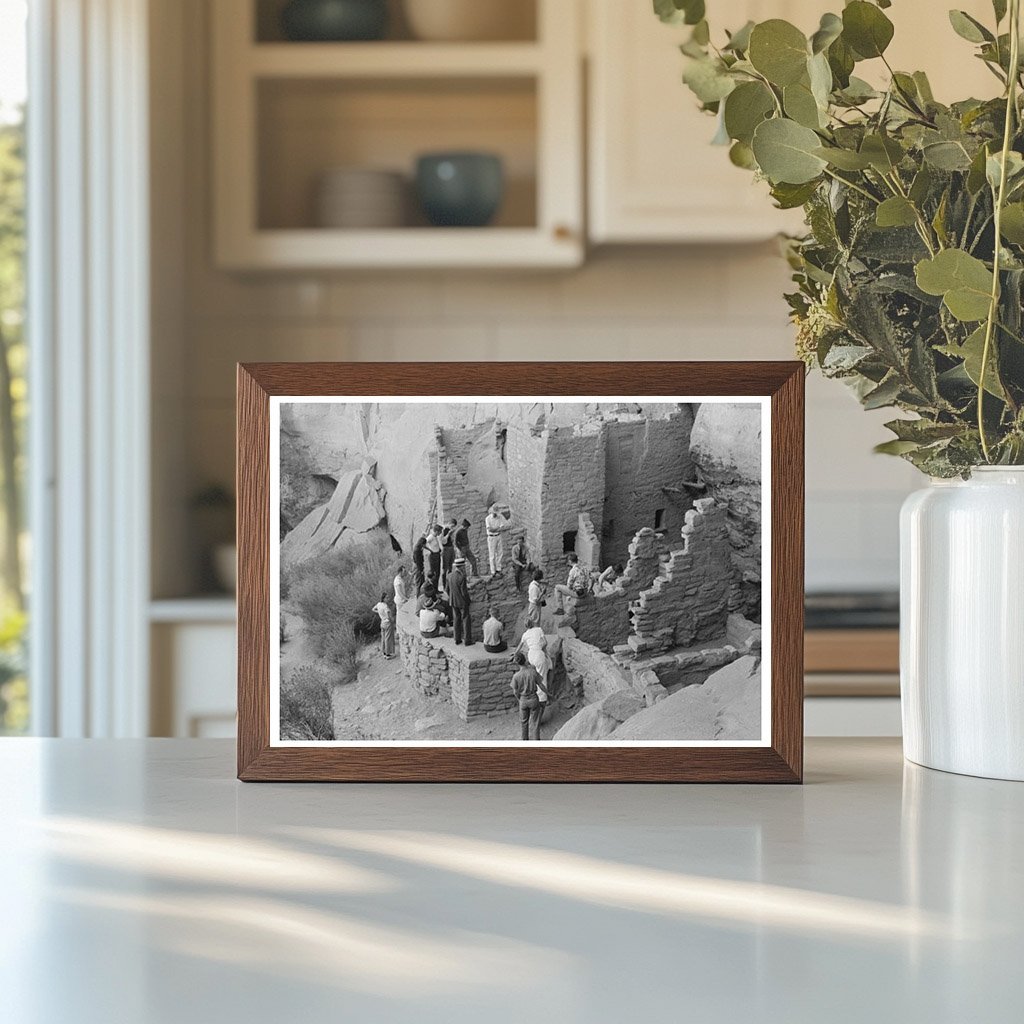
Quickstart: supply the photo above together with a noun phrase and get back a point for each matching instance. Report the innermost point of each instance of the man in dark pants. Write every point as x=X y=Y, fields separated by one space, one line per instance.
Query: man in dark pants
x=418 y=568
x=463 y=548
x=524 y=686
x=458 y=594
x=447 y=551
x=520 y=561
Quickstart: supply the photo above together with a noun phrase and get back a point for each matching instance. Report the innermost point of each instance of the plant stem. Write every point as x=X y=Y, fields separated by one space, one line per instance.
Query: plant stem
x=993 y=309
x=856 y=188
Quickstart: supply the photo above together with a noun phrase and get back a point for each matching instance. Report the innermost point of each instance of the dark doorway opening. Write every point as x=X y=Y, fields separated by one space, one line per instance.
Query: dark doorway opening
x=659 y=516
x=569 y=542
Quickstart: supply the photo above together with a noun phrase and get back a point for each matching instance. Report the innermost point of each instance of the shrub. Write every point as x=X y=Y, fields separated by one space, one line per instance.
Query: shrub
x=306 y=710
x=334 y=596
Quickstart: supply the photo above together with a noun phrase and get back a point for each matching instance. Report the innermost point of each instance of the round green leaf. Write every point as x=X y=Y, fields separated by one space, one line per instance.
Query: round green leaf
x=785 y=152
x=1012 y=225
x=708 y=81
x=747 y=106
x=961 y=279
x=743 y=156
x=829 y=31
x=896 y=212
x=779 y=51
x=844 y=159
x=800 y=105
x=866 y=29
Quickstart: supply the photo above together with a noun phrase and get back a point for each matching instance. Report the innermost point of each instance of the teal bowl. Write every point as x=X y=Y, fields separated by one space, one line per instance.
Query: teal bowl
x=334 y=21
x=460 y=190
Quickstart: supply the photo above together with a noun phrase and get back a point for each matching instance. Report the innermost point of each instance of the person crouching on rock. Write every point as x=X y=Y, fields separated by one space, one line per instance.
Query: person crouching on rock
x=494 y=633
x=535 y=596
x=431 y=621
x=387 y=626
x=458 y=593
x=525 y=685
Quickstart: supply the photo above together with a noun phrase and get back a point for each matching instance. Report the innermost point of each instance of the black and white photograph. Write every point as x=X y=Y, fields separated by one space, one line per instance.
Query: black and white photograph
x=493 y=572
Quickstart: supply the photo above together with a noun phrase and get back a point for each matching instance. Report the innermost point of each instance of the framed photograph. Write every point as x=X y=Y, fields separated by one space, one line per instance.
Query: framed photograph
x=521 y=572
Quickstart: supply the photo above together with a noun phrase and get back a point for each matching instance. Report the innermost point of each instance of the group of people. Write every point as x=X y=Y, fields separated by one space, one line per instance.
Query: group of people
x=443 y=563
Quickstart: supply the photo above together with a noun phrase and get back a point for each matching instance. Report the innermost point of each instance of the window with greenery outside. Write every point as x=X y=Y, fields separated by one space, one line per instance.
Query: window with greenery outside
x=909 y=279
x=14 y=708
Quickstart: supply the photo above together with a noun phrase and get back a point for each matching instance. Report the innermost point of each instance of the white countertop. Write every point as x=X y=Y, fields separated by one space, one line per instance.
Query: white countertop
x=143 y=885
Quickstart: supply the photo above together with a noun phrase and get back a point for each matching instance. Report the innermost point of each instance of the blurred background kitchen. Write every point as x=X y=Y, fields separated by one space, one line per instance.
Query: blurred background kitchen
x=250 y=180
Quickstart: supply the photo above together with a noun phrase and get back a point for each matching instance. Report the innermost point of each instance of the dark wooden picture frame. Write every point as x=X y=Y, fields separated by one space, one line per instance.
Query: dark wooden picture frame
x=780 y=761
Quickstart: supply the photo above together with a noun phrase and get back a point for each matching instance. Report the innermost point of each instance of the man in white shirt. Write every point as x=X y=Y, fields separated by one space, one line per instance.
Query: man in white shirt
x=431 y=620
x=494 y=633
x=496 y=525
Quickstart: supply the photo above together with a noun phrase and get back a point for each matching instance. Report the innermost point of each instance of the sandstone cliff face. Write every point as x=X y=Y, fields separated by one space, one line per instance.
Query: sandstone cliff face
x=329 y=438
x=726 y=445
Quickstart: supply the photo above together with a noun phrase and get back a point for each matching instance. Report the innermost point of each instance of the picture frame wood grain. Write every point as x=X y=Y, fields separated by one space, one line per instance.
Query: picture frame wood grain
x=779 y=762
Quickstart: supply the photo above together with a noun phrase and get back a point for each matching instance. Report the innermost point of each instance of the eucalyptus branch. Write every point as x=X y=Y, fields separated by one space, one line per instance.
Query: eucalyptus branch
x=1000 y=199
x=850 y=184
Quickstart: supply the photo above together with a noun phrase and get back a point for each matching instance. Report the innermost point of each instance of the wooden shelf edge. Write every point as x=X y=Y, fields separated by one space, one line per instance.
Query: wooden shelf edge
x=392 y=60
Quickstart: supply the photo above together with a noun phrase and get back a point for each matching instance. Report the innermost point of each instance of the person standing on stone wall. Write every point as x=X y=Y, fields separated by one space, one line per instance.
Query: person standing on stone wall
x=496 y=525
x=458 y=592
x=387 y=626
x=433 y=554
x=463 y=548
x=448 y=550
x=520 y=561
x=419 y=555
x=525 y=685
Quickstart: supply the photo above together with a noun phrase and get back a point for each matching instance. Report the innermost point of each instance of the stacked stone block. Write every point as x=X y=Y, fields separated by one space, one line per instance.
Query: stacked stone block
x=604 y=619
x=482 y=685
x=689 y=601
x=644 y=456
x=590 y=670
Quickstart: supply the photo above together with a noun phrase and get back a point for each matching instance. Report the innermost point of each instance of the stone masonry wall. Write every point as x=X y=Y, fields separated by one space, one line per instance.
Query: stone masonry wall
x=481 y=685
x=726 y=444
x=423 y=662
x=573 y=482
x=643 y=455
x=588 y=544
x=591 y=670
x=525 y=448
x=689 y=601
x=453 y=496
x=604 y=619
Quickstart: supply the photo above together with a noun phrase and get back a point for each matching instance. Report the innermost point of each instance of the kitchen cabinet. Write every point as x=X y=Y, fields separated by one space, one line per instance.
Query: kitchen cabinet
x=653 y=175
x=287 y=113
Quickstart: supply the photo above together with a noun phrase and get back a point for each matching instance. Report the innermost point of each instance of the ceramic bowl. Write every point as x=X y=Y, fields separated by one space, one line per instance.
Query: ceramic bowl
x=471 y=20
x=460 y=189
x=334 y=20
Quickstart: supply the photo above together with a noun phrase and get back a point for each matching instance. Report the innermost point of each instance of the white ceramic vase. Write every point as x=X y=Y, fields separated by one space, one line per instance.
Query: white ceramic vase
x=962 y=624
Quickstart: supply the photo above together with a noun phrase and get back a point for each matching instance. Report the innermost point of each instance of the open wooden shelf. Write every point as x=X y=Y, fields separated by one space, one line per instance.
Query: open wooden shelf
x=286 y=113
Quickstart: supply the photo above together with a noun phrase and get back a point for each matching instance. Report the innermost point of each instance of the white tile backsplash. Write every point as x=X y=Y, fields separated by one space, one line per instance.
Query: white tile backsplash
x=714 y=303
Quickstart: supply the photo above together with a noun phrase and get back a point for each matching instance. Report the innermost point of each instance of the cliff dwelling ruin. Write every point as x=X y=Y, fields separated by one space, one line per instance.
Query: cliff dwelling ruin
x=670 y=649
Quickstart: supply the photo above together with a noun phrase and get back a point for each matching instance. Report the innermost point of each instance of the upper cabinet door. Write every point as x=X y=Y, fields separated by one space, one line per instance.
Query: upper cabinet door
x=653 y=174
